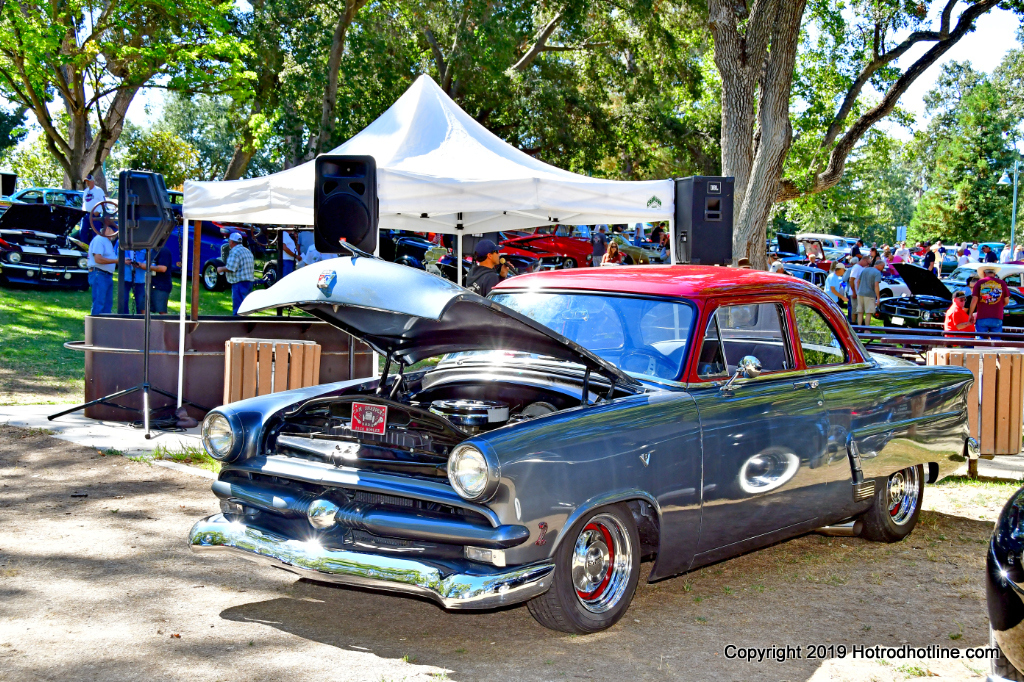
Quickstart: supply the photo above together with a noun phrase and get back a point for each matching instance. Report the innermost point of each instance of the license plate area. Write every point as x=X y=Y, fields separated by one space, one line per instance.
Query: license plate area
x=899 y=320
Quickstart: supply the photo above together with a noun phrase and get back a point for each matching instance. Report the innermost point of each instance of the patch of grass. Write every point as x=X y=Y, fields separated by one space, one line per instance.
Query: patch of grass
x=914 y=671
x=701 y=620
x=188 y=454
x=112 y=452
x=955 y=482
x=142 y=459
x=408 y=659
x=34 y=432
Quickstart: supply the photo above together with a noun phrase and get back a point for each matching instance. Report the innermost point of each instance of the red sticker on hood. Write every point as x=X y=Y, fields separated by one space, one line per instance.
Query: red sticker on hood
x=369 y=418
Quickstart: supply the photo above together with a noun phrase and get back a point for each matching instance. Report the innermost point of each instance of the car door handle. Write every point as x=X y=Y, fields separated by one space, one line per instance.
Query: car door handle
x=806 y=384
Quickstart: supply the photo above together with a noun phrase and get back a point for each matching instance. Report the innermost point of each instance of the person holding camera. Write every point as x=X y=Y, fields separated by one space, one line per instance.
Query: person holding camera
x=486 y=274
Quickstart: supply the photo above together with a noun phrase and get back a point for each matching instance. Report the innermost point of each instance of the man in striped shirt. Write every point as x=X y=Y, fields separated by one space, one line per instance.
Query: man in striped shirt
x=239 y=271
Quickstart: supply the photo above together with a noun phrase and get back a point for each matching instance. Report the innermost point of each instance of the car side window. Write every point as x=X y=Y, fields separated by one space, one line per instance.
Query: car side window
x=740 y=330
x=820 y=345
x=32 y=197
x=1012 y=280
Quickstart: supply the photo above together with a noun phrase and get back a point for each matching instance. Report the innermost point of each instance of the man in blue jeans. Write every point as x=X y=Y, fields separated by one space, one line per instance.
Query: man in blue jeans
x=102 y=261
x=989 y=296
x=239 y=271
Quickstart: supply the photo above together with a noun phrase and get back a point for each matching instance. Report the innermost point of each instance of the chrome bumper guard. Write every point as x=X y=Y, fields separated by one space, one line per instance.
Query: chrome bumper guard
x=485 y=589
x=48 y=269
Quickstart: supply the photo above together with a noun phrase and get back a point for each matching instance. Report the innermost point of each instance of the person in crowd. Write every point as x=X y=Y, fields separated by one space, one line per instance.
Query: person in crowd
x=744 y=264
x=886 y=254
x=134 y=281
x=835 y=287
x=305 y=241
x=873 y=256
x=485 y=276
x=91 y=197
x=1005 y=255
x=638 y=234
x=855 y=250
x=958 y=318
x=102 y=262
x=599 y=240
x=612 y=255
x=989 y=296
x=161 y=280
x=868 y=290
x=974 y=252
x=929 y=260
x=903 y=253
x=851 y=285
x=290 y=251
x=961 y=257
x=656 y=233
x=1018 y=253
x=777 y=264
x=988 y=255
x=663 y=242
x=239 y=271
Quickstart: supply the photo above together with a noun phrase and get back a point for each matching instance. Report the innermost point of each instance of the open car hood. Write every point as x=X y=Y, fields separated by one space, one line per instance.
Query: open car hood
x=787 y=243
x=922 y=282
x=56 y=220
x=416 y=315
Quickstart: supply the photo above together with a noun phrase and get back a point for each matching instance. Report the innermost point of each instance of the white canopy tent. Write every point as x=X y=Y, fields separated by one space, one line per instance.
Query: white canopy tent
x=438 y=170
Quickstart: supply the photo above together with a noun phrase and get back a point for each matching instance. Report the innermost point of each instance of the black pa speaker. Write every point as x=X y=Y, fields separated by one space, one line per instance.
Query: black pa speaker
x=704 y=207
x=345 y=203
x=8 y=183
x=144 y=215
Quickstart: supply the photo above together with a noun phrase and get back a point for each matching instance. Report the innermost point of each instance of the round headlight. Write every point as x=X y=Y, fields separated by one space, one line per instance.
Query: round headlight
x=218 y=436
x=467 y=472
x=926 y=315
x=83 y=263
x=14 y=257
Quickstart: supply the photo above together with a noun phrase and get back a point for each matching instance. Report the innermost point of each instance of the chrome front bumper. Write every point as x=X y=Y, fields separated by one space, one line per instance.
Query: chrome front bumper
x=485 y=589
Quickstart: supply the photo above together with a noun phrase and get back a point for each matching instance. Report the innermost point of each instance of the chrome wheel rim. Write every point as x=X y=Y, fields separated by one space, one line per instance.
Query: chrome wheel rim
x=569 y=263
x=602 y=561
x=904 y=490
x=210 y=276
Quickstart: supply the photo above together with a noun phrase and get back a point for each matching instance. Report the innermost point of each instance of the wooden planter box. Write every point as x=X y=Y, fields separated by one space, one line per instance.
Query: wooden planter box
x=255 y=367
x=995 y=411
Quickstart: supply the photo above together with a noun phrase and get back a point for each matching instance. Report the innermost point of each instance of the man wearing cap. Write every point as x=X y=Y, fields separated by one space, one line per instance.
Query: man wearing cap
x=102 y=261
x=834 y=284
x=239 y=271
x=484 y=276
x=91 y=197
x=989 y=296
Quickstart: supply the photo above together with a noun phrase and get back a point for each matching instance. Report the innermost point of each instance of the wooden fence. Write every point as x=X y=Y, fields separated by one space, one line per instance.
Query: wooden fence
x=255 y=367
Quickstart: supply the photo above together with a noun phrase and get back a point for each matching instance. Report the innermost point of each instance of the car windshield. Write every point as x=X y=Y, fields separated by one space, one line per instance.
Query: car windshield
x=645 y=337
x=961 y=274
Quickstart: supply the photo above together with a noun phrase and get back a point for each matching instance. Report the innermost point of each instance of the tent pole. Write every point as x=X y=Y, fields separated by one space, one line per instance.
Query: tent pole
x=671 y=241
x=181 y=311
x=458 y=262
x=351 y=343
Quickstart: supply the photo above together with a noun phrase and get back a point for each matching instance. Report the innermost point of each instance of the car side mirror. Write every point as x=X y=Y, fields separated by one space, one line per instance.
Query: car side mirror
x=749 y=368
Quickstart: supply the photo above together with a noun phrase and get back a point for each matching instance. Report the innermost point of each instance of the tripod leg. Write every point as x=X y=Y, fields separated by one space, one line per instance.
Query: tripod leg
x=145 y=352
x=104 y=399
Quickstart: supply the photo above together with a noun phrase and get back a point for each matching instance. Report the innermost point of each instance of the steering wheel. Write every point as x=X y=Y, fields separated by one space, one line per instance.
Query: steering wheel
x=650 y=361
x=102 y=216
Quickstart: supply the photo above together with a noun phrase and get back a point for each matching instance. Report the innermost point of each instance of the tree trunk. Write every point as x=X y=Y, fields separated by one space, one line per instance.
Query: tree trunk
x=333 y=66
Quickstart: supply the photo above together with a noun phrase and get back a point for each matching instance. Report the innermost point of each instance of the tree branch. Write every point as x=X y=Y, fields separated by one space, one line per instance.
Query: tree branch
x=837 y=158
x=539 y=44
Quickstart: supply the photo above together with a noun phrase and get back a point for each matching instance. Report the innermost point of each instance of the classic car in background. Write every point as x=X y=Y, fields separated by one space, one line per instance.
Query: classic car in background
x=407 y=248
x=554 y=249
x=645 y=254
x=54 y=196
x=1011 y=274
x=581 y=422
x=929 y=300
x=37 y=246
x=808 y=273
x=1004 y=590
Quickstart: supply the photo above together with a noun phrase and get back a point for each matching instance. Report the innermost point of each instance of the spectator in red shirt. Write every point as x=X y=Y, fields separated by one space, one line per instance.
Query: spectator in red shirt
x=958 y=319
x=990 y=296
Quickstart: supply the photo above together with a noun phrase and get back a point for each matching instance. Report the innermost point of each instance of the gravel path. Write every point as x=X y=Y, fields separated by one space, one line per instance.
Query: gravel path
x=102 y=587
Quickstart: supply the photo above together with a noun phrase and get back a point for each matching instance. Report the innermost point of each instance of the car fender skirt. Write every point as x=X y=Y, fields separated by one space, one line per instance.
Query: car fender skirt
x=454 y=585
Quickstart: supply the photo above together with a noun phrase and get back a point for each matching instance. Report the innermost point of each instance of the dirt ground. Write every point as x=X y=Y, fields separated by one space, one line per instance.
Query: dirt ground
x=102 y=587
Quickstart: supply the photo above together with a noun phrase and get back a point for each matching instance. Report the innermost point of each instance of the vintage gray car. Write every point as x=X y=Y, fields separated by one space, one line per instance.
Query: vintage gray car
x=580 y=422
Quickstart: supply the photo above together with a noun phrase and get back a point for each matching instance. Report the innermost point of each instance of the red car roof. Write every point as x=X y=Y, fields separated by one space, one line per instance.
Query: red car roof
x=691 y=281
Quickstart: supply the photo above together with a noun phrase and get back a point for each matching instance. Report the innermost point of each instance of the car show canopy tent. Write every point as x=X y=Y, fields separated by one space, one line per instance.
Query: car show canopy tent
x=439 y=170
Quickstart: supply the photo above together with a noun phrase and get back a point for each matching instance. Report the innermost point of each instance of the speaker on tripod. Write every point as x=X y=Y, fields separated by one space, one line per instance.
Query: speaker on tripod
x=345 y=206
x=145 y=220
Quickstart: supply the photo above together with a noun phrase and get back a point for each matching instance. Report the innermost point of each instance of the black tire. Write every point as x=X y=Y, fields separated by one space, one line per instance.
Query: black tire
x=1001 y=666
x=564 y=609
x=270 y=273
x=568 y=263
x=211 y=279
x=885 y=293
x=897 y=506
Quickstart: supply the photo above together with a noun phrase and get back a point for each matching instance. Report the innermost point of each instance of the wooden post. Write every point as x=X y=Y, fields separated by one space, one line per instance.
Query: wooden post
x=197 y=267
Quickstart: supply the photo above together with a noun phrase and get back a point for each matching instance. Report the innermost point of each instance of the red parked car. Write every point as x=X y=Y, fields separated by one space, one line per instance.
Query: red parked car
x=571 y=252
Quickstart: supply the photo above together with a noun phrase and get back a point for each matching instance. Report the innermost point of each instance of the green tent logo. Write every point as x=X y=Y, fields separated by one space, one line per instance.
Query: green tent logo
x=654 y=202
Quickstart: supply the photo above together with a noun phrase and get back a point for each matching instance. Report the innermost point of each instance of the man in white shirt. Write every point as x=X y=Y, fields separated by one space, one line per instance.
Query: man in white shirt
x=903 y=252
x=288 y=246
x=638 y=234
x=92 y=196
x=1005 y=254
x=962 y=258
x=854 y=272
x=102 y=261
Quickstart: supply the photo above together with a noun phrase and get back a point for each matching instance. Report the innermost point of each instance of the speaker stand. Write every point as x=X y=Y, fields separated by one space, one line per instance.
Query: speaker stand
x=144 y=386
